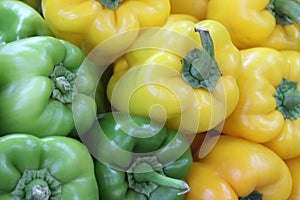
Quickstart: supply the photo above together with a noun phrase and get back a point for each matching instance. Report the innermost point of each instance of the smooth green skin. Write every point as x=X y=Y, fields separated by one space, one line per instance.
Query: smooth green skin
x=25 y=87
x=19 y=20
x=66 y=159
x=112 y=180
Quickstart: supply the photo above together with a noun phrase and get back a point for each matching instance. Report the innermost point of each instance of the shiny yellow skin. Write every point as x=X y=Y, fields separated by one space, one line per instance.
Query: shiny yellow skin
x=148 y=82
x=196 y=8
x=180 y=16
x=250 y=24
x=294 y=166
x=256 y=117
x=87 y=23
x=286 y=143
x=234 y=168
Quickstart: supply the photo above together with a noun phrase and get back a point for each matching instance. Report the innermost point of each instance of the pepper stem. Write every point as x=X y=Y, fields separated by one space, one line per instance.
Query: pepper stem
x=206 y=40
x=285 y=11
x=37 y=185
x=252 y=196
x=37 y=190
x=113 y=4
x=63 y=82
x=147 y=175
x=288 y=99
x=200 y=68
x=160 y=179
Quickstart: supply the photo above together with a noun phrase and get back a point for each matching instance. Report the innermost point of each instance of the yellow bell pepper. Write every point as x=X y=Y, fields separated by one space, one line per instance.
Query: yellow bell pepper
x=170 y=77
x=268 y=110
x=181 y=16
x=238 y=169
x=253 y=23
x=196 y=8
x=294 y=166
x=87 y=23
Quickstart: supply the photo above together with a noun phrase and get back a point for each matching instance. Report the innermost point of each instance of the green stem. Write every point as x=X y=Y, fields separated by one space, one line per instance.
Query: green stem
x=160 y=179
x=285 y=11
x=113 y=4
x=145 y=179
x=63 y=82
x=37 y=185
x=288 y=99
x=252 y=196
x=200 y=68
x=37 y=190
x=206 y=40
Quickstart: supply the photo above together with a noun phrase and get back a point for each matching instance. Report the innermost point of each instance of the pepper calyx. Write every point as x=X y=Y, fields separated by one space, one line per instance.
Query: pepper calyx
x=146 y=174
x=200 y=68
x=62 y=84
x=113 y=4
x=37 y=185
x=288 y=99
x=285 y=11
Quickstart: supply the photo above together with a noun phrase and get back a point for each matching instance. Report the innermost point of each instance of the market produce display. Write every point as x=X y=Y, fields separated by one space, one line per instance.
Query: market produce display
x=149 y=99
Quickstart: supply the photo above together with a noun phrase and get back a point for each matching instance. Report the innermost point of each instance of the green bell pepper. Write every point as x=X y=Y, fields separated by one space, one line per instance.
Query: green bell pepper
x=55 y=167
x=102 y=101
x=19 y=20
x=37 y=78
x=138 y=158
x=36 y=4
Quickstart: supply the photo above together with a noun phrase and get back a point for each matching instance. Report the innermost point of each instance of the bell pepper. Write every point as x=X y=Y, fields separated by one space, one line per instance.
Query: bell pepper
x=87 y=23
x=252 y=23
x=269 y=108
x=196 y=8
x=37 y=82
x=53 y=167
x=103 y=104
x=36 y=4
x=138 y=158
x=18 y=20
x=238 y=169
x=181 y=16
x=192 y=88
x=293 y=165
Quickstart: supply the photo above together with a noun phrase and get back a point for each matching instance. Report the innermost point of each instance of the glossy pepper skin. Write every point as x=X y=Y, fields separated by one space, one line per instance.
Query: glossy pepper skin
x=18 y=20
x=159 y=83
x=138 y=158
x=293 y=165
x=238 y=169
x=87 y=23
x=196 y=8
x=252 y=23
x=36 y=86
x=181 y=16
x=53 y=167
x=268 y=108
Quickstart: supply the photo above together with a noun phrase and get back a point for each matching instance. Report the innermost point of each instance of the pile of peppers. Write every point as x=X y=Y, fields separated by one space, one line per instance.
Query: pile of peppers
x=149 y=100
